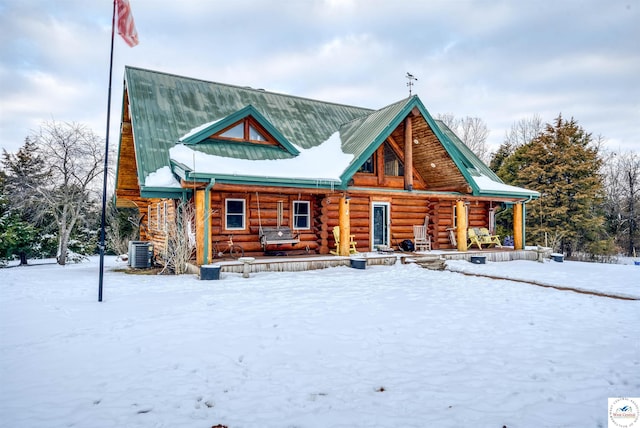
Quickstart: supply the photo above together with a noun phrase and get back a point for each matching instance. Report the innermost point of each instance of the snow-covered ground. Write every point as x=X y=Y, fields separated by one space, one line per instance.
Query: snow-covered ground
x=395 y=346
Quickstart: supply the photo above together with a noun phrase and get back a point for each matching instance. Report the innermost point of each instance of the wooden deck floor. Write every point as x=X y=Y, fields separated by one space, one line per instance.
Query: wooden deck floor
x=311 y=262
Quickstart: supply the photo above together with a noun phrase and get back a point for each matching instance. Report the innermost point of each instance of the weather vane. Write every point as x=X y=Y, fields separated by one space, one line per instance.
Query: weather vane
x=410 y=83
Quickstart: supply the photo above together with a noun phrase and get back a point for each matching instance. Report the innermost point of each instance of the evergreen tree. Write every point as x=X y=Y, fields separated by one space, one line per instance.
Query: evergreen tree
x=563 y=164
x=24 y=170
x=16 y=238
x=16 y=235
x=522 y=132
x=497 y=159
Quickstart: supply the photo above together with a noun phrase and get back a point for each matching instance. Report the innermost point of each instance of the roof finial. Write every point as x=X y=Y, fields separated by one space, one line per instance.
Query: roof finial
x=410 y=83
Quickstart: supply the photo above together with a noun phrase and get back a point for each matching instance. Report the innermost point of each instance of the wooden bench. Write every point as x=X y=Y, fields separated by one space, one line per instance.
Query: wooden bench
x=277 y=236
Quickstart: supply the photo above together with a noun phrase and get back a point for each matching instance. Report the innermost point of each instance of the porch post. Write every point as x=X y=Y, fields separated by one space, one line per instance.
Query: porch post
x=518 y=242
x=203 y=228
x=408 y=154
x=461 y=226
x=345 y=228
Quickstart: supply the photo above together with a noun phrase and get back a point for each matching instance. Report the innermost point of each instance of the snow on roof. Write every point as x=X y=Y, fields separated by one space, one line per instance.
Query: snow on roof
x=326 y=161
x=197 y=129
x=163 y=177
x=486 y=184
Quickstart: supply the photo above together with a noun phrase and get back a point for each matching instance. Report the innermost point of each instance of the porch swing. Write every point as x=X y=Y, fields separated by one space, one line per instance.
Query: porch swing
x=278 y=235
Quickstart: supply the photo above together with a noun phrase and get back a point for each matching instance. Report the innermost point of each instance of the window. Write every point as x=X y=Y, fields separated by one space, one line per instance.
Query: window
x=159 y=219
x=234 y=214
x=237 y=132
x=246 y=130
x=369 y=165
x=392 y=164
x=301 y=215
x=255 y=135
x=149 y=212
x=164 y=216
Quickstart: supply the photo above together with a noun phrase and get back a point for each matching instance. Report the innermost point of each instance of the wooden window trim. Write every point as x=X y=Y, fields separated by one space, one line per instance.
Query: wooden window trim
x=373 y=165
x=247 y=122
x=164 y=216
x=158 y=217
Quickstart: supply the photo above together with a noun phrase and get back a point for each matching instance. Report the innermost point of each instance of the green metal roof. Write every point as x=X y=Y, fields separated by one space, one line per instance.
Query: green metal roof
x=201 y=137
x=361 y=137
x=474 y=165
x=165 y=107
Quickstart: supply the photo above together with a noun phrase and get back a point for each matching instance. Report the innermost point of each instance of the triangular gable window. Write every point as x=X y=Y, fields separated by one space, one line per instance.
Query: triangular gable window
x=245 y=130
x=255 y=135
x=393 y=166
x=246 y=125
x=235 y=133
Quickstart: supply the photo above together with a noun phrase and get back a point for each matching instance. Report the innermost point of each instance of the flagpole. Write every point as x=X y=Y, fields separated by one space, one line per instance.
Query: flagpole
x=106 y=161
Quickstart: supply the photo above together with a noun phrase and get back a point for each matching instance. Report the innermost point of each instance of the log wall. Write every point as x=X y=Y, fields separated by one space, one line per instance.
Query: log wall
x=406 y=210
x=154 y=227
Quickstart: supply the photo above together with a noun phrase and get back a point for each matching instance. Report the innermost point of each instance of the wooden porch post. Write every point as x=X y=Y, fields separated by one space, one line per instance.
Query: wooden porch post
x=408 y=154
x=201 y=218
x=518 y=242
x=461 y=226
x=345 y=228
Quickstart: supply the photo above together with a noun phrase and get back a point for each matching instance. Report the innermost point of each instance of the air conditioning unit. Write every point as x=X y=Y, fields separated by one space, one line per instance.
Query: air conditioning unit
x=140 y=253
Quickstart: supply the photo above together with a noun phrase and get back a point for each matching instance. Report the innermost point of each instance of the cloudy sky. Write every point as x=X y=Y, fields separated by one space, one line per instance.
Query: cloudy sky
x=501 y=61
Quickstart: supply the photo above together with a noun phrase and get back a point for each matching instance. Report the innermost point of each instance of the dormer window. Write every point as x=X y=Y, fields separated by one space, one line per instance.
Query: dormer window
x=245 y=130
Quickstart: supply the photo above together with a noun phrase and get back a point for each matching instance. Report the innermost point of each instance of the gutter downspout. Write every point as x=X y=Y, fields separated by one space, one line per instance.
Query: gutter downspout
x=207 y=219
x=524 y=221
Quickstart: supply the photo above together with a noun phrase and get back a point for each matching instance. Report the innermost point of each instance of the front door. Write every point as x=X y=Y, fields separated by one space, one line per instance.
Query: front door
x=380 y=225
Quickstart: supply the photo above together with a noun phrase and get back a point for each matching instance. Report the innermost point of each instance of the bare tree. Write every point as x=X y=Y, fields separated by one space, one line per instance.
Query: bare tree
x=472 y=131
x=122 y=228
x=523 y=131
x=621 y=172
x=73 y=159
x=181 y=242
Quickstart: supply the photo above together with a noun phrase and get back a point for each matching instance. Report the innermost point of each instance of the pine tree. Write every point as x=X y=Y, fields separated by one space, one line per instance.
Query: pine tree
x=16 y=235
x=24 y=170
x=563 y=164
x=497 y=159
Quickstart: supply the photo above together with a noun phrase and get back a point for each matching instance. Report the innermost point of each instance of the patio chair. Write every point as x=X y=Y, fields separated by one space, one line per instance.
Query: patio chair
x=487 y=238
x=473 y=238
x=352 y=242
x=421 y=238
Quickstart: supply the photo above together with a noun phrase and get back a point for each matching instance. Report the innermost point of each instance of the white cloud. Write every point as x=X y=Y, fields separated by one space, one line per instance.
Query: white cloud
x=496 y=60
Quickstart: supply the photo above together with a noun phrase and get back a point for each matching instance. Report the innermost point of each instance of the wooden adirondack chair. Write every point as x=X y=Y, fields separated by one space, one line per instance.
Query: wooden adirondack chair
x=487 y=238
x=352 y=242
x=473 y=238
x=421 y=236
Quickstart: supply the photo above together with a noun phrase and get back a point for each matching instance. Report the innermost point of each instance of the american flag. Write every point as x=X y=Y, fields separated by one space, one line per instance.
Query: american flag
x=126 y=26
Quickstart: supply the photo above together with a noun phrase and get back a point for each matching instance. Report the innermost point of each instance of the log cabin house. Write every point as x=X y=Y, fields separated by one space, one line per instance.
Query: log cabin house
x=249 y=160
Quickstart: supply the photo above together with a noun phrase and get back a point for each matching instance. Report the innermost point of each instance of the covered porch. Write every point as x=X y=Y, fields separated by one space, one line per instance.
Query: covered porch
x=314 y=262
